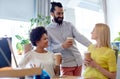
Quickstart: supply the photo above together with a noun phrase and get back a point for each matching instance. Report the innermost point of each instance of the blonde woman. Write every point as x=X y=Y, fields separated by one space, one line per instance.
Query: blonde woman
x=102 y=64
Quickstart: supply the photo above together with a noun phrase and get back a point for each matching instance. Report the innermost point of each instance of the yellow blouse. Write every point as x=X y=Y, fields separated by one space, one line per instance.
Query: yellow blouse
x=105 y=57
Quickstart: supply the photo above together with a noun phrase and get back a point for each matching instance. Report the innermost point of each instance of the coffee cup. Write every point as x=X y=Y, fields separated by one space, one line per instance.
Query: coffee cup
x=87 y=55
x=58 y=58
x=27 y=47
x=70 y=39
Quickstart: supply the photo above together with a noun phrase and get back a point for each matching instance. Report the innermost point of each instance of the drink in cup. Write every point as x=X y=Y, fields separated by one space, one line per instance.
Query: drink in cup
x=87 y=55
x=58 y=58
x=70 y=39
x=27 y=47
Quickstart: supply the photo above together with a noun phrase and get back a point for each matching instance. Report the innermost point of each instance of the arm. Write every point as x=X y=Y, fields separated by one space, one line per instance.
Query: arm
x=58 y=60
x=79 y=37
x=110 y=61
x=59 y=47
x=24 y=60
x=57 y=70
x=111 y=75
x=53 y=46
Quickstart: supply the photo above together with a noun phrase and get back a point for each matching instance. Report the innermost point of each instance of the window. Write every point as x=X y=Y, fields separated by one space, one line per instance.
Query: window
x=21 y=10
x=17 y=13
x=10 y=28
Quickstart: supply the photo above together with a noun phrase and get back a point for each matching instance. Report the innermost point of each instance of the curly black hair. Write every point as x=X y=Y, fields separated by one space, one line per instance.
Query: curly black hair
x=36 y=34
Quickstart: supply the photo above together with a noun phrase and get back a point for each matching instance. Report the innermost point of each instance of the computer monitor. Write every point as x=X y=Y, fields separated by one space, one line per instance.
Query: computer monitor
x=5 y=52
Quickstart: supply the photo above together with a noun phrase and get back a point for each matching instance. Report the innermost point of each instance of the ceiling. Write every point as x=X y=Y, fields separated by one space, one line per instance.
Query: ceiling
x=88 y=4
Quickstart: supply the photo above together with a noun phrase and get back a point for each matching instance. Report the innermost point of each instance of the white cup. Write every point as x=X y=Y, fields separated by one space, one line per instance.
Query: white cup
x=58 y=58
x=27 y=47
x=70 y=39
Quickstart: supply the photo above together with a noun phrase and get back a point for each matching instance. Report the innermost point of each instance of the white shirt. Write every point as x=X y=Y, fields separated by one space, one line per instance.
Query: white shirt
x=44 y=60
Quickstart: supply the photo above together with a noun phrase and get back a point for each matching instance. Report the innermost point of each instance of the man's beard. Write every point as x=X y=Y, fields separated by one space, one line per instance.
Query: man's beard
x=58 y=20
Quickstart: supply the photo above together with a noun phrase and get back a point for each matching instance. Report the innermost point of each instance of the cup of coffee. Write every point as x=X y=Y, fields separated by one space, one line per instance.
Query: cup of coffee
x=70 y=39
x=87 y=55
x=27 y=47
x=58 y=58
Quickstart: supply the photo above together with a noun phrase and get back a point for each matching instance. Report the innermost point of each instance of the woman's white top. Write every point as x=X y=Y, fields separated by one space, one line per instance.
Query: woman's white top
x=44 y=60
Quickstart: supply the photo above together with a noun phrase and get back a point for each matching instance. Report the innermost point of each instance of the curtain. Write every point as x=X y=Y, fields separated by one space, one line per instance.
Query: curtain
x=23 y=10
x=104 y=9
x=43 y=7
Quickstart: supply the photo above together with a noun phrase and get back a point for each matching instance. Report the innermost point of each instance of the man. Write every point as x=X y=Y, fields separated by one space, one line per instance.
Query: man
x=58 y=32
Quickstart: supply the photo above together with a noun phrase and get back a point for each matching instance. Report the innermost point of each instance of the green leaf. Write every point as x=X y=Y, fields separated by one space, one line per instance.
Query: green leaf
x=19 y=46
x=18 y=37
x=119 y=33
x=117 y=39
x=23 y=42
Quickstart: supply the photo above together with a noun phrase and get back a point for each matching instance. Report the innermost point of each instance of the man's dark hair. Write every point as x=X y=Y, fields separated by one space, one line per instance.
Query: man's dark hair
x=36 y=34
x=54 y=4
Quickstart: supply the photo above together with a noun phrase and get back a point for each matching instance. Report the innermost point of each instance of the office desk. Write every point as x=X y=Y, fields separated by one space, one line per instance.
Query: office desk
x=15 y=73
x=9 y=72
x=68 y=77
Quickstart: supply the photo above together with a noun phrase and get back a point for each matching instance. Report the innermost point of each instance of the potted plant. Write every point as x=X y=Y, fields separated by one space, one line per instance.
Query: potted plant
x=20 y=45
x=116 y=43
x=117 y=38
x=38 y=21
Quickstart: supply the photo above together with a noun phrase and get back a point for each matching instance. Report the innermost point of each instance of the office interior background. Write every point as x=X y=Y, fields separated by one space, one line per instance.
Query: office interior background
x=84 y=14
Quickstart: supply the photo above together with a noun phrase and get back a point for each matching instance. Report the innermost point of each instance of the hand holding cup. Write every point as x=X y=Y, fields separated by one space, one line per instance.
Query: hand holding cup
x=70 y=39
x=87 y=55
x=58 y=61
x=58 y=58
x=68 y=42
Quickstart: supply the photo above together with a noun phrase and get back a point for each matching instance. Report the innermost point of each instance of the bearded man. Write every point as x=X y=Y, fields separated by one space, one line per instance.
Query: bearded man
x=58 y=33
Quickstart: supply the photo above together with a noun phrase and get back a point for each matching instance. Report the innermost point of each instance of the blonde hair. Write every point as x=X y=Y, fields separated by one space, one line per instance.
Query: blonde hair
x=103 y=33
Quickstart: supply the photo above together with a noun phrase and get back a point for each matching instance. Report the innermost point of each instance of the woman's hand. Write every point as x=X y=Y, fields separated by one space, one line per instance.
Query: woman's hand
x=57 y=70
x=92 y=63
x=87 y=62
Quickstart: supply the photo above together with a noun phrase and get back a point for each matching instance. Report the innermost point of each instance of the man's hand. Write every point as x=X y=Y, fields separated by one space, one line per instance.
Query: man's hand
x=67 y=44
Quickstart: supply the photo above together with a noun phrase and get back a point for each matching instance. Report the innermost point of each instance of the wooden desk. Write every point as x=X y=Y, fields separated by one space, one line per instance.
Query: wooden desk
x=68 y=77
x=16 y=73
x=9 y=72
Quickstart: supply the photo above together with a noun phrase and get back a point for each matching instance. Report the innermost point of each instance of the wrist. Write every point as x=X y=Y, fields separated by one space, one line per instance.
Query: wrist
x=63 y=46
x=57 y=66
x=97 y=67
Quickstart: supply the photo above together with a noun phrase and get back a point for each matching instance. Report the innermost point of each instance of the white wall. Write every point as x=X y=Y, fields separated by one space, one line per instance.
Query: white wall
x=113 y=17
